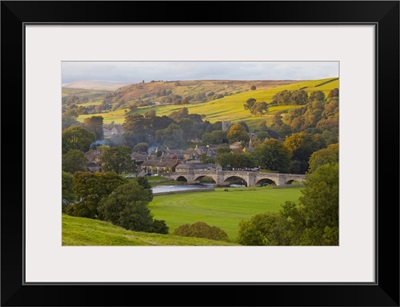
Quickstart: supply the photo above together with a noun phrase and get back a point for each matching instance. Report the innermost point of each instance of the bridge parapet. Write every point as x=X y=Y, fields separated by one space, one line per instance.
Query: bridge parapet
x=252 y=178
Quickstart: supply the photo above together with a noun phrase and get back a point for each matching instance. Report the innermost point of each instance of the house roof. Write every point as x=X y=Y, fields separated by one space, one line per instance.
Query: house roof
x=92 y=164
x=139 y=156
x=194 y=166
x=92 y=155
x=117 y=128
x=161 y=163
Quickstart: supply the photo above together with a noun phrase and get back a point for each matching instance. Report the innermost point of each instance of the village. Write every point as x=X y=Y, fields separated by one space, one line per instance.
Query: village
x=158 y=162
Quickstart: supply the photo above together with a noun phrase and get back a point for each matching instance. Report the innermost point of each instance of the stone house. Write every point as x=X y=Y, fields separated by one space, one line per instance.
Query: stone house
x=159 y=166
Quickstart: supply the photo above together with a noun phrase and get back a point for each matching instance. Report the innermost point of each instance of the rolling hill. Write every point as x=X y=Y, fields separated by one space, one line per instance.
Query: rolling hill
x=230 y=107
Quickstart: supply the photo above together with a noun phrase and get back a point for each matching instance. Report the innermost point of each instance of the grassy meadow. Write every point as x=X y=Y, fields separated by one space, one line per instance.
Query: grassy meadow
x=79 y=231
x=219 y=208
x=216 y=208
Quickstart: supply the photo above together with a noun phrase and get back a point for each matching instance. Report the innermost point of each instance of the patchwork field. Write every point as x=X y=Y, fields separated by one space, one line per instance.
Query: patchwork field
x=229 y=108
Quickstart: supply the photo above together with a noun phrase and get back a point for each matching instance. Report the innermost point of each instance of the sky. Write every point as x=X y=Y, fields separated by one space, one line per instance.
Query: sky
x=134 y=72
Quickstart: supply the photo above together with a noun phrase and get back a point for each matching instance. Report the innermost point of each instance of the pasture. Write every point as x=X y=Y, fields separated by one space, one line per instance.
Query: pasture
x=79 y=231
x=220 y=208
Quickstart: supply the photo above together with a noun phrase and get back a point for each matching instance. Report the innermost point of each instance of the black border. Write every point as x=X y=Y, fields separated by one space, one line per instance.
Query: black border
x=383 y=14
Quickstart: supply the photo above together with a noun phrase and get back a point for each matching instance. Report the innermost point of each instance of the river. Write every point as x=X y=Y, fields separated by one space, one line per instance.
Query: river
x=167 y=189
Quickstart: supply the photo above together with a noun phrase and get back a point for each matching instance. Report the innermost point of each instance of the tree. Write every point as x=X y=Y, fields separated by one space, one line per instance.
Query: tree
x=302 y=145
x=204 y=158
x=330 y=136
x=77 y=138
x=68 y=121
x=141 y=147
x=207 y=138
x=95 y=124
x=223 y=149
x=67 y=190
x=317 y=96
x=180 y=114
x=299 y=97
x=144 y=183
x=282 y=98
x=320 y=201
x=249 y=103
x=313 y=221
x=117 y=159
x=219 y=136
x=237 y=133
x=273 y=155
x=264 y=229
x=187 y=126
x=236 y=160
x=127 y=207
x=74 y=161
x=150 y=114
x=244 y=124
x=333 y=93
x=172 y=136
x=259 y=108
x=324 y=156
x=90 y=188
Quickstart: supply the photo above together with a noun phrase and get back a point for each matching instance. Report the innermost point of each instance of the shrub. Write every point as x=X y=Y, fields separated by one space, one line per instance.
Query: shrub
x=82 y=209
x=201 y=230
x=159 y=226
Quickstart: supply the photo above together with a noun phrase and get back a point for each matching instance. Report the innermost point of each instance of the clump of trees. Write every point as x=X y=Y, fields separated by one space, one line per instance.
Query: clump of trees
x=314 y=220
x=117 y=159
x=201 y=230
x=273 y=155
x=75 y=137
x=109 y=197
x=94 y=124
x=256 y=108
x=89 y=188
x=237 y=133
x=74 y=161
x=319 y=114
x=127 y=207
x=286 y=97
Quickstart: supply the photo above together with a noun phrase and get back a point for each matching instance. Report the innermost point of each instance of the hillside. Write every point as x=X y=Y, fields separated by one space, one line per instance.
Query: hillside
x=96 y=85
x=155 y=92
x=228 y=108
x=77 y=231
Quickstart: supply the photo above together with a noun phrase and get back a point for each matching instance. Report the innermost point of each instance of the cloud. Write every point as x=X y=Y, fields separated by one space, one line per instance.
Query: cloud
x=168 y=71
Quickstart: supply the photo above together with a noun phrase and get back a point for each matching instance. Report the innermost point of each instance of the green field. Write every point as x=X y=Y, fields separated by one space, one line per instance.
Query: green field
x=219 y=208
x=230 y=108
x=78 y=231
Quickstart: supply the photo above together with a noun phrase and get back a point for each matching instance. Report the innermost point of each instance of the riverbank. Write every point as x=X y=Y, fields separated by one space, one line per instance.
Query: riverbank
x=157 y=191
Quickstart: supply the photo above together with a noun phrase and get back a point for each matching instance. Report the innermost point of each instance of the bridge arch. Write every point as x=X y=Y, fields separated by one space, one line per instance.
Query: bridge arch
x=264 y=182
x=228 y=180
x=293 y=180
x=181 y=179
x=206 y=177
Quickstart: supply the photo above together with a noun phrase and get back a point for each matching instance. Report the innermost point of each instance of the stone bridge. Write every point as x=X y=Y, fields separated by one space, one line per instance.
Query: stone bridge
x=223 y=178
